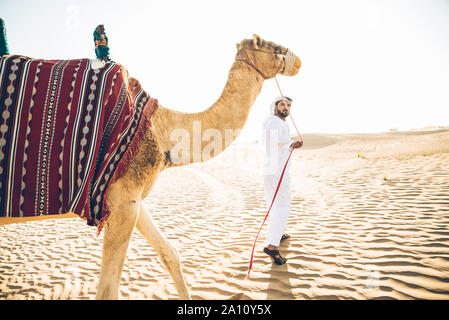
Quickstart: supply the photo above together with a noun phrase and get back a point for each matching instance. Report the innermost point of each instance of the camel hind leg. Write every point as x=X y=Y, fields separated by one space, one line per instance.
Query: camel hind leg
x=166 y=252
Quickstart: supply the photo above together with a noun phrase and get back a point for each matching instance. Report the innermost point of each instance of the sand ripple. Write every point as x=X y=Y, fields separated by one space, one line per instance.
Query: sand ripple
x=362 y=228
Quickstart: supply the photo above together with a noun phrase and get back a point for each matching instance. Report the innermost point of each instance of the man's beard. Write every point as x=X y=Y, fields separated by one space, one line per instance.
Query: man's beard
x=283 y=114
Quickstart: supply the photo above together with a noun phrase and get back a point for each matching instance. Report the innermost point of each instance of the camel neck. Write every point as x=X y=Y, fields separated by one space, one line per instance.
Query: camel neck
x=232 y=108
x=206 y=134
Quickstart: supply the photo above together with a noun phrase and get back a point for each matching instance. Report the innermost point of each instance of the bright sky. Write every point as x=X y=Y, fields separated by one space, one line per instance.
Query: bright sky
x=368 y=66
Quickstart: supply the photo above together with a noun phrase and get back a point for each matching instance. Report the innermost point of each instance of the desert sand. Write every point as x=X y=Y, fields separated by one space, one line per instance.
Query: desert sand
x=370 y=220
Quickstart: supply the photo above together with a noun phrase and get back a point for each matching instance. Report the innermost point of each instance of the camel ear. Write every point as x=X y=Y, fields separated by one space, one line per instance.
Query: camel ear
x=238 y=46
x=257 y=41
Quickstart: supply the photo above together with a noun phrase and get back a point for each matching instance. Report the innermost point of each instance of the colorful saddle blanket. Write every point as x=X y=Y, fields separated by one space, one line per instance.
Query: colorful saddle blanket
x=65 y=129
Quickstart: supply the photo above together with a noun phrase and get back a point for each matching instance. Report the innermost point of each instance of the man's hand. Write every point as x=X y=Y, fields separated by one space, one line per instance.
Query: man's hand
x=296 y=145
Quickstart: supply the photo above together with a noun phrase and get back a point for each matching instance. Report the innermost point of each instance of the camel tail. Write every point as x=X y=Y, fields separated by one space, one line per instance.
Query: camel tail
x=3 y=43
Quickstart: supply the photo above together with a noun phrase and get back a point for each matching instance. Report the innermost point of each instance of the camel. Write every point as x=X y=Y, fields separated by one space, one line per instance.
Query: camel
x=256 y=60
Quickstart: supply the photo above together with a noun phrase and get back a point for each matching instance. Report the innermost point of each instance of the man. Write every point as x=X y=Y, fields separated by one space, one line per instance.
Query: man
x=276 y=145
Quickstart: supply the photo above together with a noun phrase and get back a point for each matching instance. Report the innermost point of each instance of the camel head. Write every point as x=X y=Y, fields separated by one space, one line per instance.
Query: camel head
x=268 y=57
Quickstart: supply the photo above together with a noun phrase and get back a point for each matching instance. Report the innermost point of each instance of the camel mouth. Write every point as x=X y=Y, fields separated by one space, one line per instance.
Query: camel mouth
x=296 y=66
x=292 y=64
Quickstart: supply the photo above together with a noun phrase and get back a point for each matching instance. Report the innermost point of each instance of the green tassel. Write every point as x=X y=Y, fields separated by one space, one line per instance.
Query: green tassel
x=3 y=42
x=101 y=44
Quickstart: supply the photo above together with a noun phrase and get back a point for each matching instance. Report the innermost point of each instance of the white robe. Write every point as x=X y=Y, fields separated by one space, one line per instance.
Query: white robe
x=275 y=143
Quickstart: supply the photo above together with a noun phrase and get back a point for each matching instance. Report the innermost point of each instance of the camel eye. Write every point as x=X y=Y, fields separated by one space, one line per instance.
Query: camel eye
x=277 y=50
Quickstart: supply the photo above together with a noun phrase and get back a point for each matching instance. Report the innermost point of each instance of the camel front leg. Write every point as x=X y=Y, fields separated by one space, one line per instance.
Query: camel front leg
x=118 y=230
x=166 y=252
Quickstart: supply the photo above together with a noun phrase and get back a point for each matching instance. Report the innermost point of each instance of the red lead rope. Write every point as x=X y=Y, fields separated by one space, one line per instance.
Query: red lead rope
x=277 y=188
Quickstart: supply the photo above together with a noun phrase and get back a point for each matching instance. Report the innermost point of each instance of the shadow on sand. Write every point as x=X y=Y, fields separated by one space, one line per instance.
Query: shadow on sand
x=279 y=286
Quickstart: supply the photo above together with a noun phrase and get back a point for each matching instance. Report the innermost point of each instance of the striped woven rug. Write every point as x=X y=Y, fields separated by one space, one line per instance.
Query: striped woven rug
x=65 y=128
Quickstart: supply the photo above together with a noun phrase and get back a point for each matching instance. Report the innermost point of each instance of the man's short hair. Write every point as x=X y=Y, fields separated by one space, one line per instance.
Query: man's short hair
x=286 y=98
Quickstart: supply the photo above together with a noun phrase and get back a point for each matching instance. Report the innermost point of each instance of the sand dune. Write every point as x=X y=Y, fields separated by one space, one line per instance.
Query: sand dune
x=369 y=221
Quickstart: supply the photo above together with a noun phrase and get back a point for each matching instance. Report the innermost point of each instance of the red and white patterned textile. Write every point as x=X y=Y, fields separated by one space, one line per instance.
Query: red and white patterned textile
x=64 y=129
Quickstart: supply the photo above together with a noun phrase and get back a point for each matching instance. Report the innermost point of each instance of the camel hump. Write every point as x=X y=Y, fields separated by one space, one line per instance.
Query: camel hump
x=3 y=43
